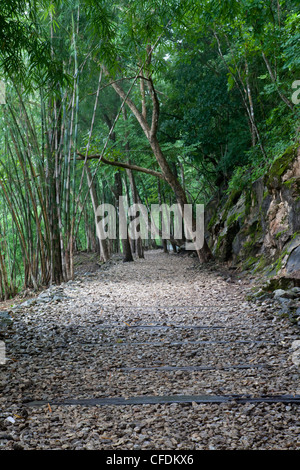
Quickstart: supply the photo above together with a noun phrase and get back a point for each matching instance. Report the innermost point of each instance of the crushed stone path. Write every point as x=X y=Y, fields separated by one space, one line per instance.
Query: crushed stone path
x=148 y=332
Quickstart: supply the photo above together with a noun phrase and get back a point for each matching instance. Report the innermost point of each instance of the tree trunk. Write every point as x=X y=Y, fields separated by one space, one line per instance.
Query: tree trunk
x=104 y=254
x=274 y=80
x=204 y=253
x=136 y=200
x=56 y=255
x=125 y=241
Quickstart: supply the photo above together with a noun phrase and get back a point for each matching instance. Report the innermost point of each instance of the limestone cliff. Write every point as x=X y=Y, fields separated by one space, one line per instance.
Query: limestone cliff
x=259 y=228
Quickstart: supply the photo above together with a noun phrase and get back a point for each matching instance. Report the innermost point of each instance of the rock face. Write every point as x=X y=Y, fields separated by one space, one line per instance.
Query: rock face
x=259 y=228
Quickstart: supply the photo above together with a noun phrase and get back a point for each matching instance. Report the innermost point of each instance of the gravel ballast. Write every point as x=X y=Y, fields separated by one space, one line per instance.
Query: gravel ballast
x=162 y=326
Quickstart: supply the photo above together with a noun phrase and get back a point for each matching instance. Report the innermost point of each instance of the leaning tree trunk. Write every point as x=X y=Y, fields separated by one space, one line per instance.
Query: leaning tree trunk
x=104 y=254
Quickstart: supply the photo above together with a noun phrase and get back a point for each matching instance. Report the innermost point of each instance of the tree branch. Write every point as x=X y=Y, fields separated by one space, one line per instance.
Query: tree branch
x=128 y=166
x=130 y=104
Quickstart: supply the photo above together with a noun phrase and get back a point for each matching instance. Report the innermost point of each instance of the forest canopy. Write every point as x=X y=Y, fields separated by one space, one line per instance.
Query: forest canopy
x=159 y=101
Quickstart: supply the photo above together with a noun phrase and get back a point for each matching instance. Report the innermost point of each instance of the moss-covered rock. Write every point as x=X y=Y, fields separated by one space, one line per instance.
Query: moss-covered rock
x=255 y=227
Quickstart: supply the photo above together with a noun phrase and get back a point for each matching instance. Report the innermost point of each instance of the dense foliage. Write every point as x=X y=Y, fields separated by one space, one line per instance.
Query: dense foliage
x=161 y=101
